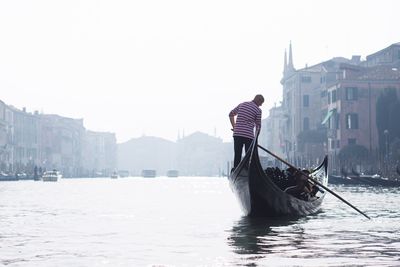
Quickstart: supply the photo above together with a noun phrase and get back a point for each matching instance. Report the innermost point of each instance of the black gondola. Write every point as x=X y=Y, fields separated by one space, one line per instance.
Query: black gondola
x=259 y=195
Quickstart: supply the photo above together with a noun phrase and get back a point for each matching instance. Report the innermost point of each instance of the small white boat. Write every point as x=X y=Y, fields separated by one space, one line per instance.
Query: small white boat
x=51 y=176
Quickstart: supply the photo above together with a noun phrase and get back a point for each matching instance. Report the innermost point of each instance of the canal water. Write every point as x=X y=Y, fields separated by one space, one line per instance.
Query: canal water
x=186 y=221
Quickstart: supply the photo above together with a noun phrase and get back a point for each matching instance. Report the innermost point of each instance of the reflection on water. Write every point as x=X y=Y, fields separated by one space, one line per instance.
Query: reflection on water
x=334 y=237
x=263 y=235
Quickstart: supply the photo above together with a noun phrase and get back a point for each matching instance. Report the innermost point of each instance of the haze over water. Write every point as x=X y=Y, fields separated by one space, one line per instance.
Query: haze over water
x=186 y=222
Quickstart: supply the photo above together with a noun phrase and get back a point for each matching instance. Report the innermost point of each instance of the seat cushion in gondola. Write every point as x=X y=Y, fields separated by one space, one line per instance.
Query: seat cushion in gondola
x=281 y=178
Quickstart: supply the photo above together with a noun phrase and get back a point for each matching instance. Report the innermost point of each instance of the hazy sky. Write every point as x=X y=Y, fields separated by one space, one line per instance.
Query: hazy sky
x=159 y=67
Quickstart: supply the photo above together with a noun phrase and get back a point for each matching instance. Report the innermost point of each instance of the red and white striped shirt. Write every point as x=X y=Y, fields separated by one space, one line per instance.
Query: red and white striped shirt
x=248 y=116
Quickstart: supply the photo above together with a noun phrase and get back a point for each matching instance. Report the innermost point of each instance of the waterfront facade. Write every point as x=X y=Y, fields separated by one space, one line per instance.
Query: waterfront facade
x=61 y=143
x=333 y=104
x=25 y=140
x=303 y=136
x=6 y=151
x=30 y=140
x=352 y=101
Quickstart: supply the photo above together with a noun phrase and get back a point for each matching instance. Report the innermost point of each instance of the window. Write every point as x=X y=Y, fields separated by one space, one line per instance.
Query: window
x=329 y=97
x=334 y=121
x=338 y=144
x=336 y=116
x=333 y=96
x=352 y=141
x=352 y=121
x=306 y=79
x=288 y=104
x=351 y=93
x=306 y=101
x=333 y=144
x=306 y=124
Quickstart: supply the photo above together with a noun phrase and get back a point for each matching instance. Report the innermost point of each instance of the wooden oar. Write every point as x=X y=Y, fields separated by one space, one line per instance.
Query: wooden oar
x=313 y=180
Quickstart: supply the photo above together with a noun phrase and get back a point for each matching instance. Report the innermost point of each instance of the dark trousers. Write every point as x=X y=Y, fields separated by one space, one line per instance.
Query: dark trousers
x=238 y=143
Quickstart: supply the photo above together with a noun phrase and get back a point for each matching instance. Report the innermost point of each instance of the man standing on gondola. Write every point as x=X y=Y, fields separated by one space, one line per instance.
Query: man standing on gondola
x=248 y=116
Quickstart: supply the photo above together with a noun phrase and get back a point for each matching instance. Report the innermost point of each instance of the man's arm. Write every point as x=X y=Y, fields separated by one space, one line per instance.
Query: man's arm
x=232 y=115
x=258 y=122
x=232 y=119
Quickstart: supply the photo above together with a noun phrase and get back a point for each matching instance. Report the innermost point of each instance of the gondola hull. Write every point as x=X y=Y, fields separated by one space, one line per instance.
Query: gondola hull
x=259 y=196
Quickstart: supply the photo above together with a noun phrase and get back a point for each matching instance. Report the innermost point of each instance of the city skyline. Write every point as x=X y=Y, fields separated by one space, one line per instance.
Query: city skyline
x=160 y=69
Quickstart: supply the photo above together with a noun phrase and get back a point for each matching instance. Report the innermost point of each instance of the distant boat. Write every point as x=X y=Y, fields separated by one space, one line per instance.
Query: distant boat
x=172 y=173
x=51 y=176
x=114 y=175
x=366 y=180
x=123 y=173
x=149 y=173
x=22 y=176
x=7 y=177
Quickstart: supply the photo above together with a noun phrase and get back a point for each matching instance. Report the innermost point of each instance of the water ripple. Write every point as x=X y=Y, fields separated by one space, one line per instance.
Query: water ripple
x=187 y=222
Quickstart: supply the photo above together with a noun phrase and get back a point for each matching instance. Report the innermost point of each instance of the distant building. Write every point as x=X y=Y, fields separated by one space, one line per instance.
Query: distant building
x=61 y=144
x=147 y=153
x=6 y=148
x=332 y=104
x=302 y=133
x=48 y=141
x=200 y=154
x=271 y=136
x=388 y=56
x=197 y=154
x=25 y=140
x=352 y=103
x=99 y=153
